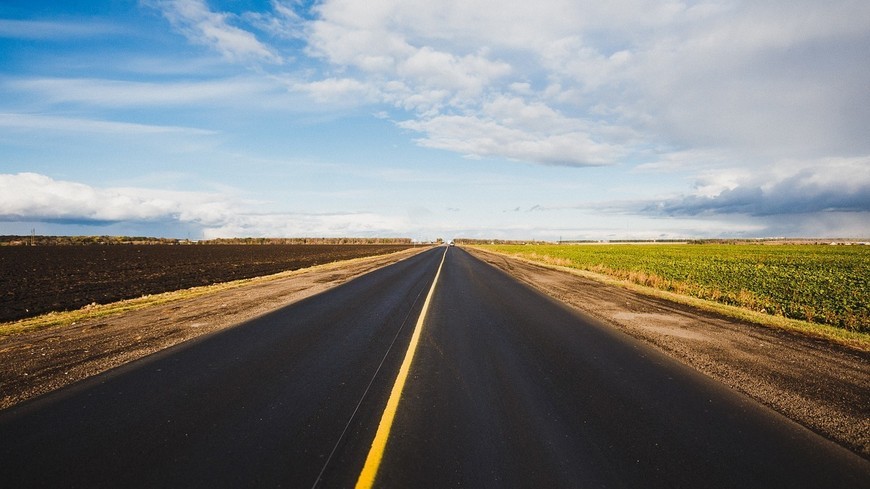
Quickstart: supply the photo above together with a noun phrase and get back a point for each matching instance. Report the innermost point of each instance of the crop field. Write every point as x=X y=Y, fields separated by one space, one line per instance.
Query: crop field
x=816 y=283
x=39 y=279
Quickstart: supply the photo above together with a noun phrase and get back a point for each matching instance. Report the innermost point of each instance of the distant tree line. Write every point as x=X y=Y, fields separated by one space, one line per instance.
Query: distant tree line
x=677 y=240
x=472 y=241
x=778 y=241
x=298 y=241
x=35 y=240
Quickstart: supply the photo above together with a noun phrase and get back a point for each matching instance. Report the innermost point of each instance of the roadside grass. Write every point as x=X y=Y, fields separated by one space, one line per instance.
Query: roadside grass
x=651 y=285
x=92 y=311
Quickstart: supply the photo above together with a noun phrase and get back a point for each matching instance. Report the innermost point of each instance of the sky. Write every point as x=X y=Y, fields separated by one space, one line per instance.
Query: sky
x=505 y=119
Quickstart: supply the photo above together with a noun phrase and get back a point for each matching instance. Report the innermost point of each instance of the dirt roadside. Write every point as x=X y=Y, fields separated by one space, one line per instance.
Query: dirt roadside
x=37 y=362
x=823 y=386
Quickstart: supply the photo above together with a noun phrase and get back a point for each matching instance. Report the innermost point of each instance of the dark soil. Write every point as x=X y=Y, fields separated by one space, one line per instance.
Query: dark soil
x=40 y=279
x=40 y=361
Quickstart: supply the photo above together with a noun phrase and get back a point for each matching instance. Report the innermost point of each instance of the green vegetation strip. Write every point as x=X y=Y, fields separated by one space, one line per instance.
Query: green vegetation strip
x=806 y=287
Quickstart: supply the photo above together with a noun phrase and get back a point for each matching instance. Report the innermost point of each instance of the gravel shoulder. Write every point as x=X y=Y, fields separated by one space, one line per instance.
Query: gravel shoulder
x=821 y=385
x=37 y=362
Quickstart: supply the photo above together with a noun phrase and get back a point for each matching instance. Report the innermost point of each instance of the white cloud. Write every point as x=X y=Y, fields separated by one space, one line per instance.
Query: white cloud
x=763 y=81
x=202 y=26
x=467 y=75
x=476 y=137
x=828 y=197
x=774 y=79
x=789 y=188
x=32 y=197
x=770 y=80
x=777 y=79
x=373 y=50
x=315 y=225
x=338 y=90
x=512 y=128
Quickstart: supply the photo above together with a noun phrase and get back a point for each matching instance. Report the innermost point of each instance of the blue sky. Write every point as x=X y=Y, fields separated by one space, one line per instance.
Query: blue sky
x=499 y=119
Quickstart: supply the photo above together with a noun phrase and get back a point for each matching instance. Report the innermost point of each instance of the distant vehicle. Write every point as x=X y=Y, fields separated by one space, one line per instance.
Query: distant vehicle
x=450 y=243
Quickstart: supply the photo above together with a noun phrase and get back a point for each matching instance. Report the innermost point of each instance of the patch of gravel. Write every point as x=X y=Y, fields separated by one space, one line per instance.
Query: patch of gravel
x=819 y=384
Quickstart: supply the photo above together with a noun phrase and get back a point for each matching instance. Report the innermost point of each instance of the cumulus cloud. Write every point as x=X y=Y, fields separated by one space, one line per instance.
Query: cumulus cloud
x=36 y=197
x=475 y=137
x=770 y=80
x=32 y=197
x=773 y=78
x=828 y=197
x=308 y=224
x=338 y=90
x=762 y=78
x=511 y=127
x=777 y=79
x=790 y=188
x=457 y=88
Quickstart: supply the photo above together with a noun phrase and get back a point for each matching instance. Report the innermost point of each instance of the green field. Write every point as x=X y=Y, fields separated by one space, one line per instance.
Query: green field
x=816 y=283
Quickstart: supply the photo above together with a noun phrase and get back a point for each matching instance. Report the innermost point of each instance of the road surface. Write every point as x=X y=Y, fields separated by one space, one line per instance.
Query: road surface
x=506 y=388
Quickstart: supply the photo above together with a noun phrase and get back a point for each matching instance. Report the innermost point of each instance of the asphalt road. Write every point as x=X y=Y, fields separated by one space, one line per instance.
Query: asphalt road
x=507 y=389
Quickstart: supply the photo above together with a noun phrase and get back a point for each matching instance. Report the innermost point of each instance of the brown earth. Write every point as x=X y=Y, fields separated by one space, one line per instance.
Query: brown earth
x=821 y=385
x=37 y=362
x=38 y=279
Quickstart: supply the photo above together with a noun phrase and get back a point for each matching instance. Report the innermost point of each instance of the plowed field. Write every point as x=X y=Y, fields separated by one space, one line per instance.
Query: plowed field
x=40 y=279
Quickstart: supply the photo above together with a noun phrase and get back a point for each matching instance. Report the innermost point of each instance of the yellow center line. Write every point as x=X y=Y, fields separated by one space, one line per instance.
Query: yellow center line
x=376 y=452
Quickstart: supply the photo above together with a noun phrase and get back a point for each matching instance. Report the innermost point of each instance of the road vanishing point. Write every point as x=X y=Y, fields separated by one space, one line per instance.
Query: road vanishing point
x=438 y=371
